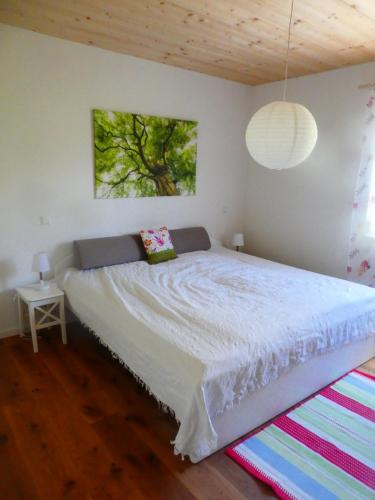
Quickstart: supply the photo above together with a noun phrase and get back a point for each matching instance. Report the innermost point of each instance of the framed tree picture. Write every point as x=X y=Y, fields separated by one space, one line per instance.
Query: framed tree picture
x=140 y=155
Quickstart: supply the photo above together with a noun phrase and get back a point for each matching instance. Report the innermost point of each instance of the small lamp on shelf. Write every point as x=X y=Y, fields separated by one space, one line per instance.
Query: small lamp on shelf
x=238 y=241
x=41 y=265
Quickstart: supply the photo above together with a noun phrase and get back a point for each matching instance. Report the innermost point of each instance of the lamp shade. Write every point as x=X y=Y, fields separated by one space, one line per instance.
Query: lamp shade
x=281 y=135
x=40 y=263
x=238 y=240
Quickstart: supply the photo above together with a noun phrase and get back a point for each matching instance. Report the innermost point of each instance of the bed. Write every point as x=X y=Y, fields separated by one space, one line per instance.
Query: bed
x=224 y=340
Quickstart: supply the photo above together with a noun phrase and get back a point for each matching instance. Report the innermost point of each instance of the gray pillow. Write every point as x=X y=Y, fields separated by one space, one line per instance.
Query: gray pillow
x=190 y=239
x=109 y=251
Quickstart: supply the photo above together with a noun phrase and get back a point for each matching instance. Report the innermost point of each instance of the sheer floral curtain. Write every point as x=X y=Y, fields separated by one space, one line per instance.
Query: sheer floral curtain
x=361 y=262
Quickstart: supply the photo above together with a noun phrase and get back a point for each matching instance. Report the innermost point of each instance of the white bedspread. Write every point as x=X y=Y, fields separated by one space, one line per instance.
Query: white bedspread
x=207 y=328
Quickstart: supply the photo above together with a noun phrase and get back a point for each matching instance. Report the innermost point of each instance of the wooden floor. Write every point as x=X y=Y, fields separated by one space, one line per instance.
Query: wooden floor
x=75 y=424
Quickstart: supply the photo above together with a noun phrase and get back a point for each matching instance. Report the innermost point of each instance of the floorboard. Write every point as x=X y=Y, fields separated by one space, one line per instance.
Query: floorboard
x=75 y=424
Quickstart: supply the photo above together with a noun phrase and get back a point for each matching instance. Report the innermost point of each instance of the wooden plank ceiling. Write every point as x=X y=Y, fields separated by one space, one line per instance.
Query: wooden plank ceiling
x=241 y=40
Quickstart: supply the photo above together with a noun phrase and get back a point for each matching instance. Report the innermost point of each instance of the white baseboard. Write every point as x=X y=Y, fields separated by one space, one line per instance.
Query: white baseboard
x=8 y=333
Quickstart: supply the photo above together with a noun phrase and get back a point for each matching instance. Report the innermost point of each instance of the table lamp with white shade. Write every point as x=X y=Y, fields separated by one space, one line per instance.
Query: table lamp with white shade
x=238 y=240
x=41 y=265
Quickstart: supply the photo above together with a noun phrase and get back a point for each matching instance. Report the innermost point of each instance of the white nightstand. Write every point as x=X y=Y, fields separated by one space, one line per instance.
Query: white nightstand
x=45 y=308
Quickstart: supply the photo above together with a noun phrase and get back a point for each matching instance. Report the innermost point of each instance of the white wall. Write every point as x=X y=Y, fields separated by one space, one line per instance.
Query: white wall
x=47 y=90
x=302 y=216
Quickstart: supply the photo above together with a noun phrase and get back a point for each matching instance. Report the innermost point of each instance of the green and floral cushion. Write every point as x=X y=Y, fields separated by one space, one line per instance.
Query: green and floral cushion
x=158 y=245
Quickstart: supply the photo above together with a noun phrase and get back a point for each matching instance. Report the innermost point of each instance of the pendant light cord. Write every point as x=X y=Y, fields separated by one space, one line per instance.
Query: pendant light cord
x=287 y=51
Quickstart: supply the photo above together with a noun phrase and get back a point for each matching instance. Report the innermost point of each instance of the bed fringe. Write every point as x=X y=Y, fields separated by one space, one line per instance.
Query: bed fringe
x=161 y=405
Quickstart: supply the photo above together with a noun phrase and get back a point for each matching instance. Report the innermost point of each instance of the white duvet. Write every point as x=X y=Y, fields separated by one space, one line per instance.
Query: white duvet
x=208 y=328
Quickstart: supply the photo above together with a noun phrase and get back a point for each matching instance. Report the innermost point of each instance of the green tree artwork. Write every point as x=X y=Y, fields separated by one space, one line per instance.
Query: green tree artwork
x=140 y=155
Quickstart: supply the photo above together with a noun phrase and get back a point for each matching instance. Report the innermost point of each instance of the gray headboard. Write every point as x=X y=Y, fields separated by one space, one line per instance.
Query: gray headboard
x=109 y=251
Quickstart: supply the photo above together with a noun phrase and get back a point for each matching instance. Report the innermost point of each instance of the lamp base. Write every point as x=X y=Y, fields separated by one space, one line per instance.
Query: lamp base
x=42 y=285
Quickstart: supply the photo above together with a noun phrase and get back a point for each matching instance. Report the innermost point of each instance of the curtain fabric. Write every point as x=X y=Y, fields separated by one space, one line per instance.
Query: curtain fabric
x=361 y=262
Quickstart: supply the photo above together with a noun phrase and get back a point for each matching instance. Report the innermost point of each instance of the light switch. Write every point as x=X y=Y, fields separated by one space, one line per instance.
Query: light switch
x=45 y=220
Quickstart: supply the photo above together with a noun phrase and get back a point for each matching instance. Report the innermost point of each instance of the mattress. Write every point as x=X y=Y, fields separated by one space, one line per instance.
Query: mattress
x=206 y=329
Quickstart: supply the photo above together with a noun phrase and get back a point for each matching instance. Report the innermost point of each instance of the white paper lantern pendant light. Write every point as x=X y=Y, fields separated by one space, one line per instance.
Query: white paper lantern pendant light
x=281 y=134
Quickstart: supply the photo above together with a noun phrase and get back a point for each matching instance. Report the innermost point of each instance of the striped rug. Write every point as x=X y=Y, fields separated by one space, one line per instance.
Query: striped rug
x=324 y=448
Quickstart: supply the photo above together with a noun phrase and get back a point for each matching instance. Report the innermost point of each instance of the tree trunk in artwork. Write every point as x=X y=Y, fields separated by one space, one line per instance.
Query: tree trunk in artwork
x=165 y=186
